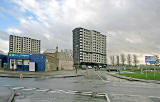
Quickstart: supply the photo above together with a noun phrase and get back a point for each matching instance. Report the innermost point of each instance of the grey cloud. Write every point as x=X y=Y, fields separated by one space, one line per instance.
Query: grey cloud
x=4 y=35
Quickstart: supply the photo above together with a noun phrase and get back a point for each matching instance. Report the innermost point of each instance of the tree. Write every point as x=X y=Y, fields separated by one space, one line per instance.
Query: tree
x=129 y=59
x=112 y=60
x=123 y=59
x=117 y=60
x=135 y=60
x=157 y=60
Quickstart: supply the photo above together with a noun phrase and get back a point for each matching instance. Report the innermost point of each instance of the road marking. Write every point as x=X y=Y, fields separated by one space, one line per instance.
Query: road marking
x=17 y=88
x=154 y=97
x=7 y=85
x=87 y=92
x=107 y=81
x=135 y=95
x=28 y=89
x=100 y=95
x=124 y=95
x=100 y=77
x=107 y=97
x=43 y=90
x=52 y=91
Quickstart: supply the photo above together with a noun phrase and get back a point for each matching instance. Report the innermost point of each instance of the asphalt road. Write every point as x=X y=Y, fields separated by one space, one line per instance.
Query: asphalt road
x=90 y=88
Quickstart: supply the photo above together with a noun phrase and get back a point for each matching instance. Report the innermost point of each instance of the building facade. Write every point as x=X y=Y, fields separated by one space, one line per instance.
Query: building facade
x=58 y=60
x=19 y=44
x=89 y=47
x=26 y=62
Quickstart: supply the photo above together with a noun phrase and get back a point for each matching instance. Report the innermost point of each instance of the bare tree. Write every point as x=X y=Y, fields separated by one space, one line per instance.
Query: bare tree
x=157 y=60
x=129 y=59
x=112 y=60
x=117 y=60
x=123 y=59
x=135 y=60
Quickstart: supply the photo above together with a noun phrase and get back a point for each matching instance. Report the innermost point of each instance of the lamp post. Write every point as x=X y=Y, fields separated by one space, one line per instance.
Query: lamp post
x=77 y=62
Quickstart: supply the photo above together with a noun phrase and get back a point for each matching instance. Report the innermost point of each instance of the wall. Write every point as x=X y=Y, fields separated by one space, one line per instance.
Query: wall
x=40 y=61
x=51 y=61
x=65 y=61
x=60 y=59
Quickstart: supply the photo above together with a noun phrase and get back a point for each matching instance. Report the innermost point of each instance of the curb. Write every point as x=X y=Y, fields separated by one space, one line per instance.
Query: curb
x=12 y=95
x=41 y=76
x=65 y=76
x=135 y=79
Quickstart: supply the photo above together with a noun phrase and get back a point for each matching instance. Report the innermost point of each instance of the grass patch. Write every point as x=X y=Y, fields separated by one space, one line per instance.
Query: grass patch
x=142 y=76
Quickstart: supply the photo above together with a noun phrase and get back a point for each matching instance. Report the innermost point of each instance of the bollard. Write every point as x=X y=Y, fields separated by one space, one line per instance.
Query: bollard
x=130 y=78
x=21 y=76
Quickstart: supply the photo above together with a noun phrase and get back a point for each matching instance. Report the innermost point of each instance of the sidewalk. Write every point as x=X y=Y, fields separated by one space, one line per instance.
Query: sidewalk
x=52 y=74
x=6 y=94
x=134 y=79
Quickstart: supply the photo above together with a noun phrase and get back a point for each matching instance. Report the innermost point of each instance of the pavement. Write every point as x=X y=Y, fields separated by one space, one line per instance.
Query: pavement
x=133 y=79
x=6 y=94
x=52 y=74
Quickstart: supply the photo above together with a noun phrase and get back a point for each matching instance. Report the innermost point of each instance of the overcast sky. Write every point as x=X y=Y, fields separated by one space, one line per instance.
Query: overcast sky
x=132 y=26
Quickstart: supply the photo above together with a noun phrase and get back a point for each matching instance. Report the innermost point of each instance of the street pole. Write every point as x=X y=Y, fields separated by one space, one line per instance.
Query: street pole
x=146 y=72
x=154 y=72
x=77 y=59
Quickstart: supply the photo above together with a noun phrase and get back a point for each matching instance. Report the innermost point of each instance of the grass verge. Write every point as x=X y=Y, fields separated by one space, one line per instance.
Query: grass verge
x=140 y=75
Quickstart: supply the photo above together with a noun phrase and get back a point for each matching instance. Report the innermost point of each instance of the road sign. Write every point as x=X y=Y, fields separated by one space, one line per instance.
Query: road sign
x=150 y=59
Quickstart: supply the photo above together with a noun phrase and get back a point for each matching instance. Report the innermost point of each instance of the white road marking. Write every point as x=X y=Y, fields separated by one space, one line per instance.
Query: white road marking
x=100 y=95
x=17 y=88
x=100 y=77
x=87 y=92
x=154 y=97
x=124 y=95
x=52 y=91
x=7 y=85
x=28 y=89
x=107 y=97
x=42 y=90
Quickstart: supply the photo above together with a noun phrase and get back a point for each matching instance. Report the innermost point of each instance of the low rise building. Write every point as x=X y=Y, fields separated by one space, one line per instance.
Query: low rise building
x=58 y=60
x=26 y=62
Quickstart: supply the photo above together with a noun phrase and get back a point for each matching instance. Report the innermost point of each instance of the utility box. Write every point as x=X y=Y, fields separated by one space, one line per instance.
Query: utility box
x=32 y=66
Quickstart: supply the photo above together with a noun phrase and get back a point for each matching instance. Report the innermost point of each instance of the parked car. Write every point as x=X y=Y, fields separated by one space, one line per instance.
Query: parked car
x=89 y=67
x=112 y=69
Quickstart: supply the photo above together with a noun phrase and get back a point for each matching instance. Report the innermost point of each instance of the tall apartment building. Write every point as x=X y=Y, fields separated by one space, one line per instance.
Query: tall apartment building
x=19 y=44
x=89 y=47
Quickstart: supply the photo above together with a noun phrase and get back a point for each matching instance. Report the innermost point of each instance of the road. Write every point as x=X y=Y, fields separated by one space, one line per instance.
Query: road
x=88 y=88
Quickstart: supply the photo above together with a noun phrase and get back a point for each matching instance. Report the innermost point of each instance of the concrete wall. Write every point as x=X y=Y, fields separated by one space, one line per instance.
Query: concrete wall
x=51 y=61
x=66 y=65
x=60 y=59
